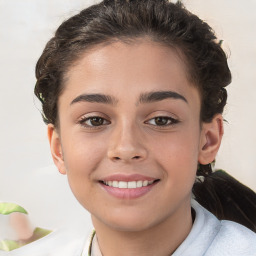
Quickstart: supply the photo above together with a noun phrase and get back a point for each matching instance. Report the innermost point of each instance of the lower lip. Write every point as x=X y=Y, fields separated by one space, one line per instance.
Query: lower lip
x=128 y=193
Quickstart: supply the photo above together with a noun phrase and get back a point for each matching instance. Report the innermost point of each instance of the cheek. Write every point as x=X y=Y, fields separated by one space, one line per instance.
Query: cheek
x=81 y=159
x=178 y=156
x=82 y=156
x=82 y=153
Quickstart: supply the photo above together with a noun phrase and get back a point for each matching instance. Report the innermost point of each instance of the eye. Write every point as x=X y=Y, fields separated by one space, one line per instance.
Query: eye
x=93 y=121
x=162 y=121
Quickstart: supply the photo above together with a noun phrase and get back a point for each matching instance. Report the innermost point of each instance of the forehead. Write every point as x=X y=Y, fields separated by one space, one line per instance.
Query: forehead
x=141 y=52
x=129 y=68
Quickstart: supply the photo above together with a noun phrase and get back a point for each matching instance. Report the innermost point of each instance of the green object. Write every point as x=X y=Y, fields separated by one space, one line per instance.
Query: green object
x=7 y=208
x=9 y=245
x=40 y=232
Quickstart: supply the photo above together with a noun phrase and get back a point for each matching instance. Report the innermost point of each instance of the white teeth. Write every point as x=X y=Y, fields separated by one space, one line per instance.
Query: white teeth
x=115 y=184
x=145 y=183
x=130 y=184
x=139 y=183
x=122 y=184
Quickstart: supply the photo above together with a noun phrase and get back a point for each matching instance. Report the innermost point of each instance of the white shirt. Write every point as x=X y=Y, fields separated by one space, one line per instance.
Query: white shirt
x=208 y=237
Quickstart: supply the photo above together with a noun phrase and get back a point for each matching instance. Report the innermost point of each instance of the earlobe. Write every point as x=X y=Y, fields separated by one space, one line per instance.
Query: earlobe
x=56 y=148
x=211 y=136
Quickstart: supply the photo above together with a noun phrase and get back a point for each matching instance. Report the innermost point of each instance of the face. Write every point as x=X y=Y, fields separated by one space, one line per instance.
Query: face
x=130 y=136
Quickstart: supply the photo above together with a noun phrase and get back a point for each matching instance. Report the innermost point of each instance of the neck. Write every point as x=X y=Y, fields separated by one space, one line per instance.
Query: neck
x=162 y=239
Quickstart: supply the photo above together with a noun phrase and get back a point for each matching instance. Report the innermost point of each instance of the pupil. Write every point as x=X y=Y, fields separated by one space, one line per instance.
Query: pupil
x=161 y=121
x=96 y=121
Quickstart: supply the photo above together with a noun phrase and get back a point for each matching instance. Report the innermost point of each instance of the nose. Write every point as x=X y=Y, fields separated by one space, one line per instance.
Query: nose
x=126 y=144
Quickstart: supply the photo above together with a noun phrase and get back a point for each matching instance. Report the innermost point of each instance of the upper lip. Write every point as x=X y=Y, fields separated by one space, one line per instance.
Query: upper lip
x=127 y=178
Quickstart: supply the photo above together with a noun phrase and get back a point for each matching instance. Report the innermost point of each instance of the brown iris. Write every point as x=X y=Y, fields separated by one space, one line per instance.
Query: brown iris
x=96 y=121
x=161 y=120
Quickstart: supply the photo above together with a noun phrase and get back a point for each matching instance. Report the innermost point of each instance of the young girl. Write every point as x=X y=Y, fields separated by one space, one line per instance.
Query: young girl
x=133 y=94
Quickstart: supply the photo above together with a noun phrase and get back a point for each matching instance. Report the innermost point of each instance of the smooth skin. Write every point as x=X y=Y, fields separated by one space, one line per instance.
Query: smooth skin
x=123 y=132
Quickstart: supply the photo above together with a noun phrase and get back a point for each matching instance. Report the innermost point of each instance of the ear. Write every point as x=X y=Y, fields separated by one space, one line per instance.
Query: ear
x=56 y=148
x=211 y=136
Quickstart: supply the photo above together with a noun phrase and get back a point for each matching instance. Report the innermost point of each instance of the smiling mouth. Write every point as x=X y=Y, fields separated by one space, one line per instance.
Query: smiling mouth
x=129 y=184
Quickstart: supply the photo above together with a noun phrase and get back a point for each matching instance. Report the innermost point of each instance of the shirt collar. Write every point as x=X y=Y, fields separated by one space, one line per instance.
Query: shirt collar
x=95 y=249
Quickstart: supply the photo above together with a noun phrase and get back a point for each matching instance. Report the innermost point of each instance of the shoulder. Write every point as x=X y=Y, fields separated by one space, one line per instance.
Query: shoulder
x=229 y=238
x=210 y=237
x=233 y=239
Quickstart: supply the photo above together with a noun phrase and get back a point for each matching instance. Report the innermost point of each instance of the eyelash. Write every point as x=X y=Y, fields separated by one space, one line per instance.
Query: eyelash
x=83 y=121
x=170 y=122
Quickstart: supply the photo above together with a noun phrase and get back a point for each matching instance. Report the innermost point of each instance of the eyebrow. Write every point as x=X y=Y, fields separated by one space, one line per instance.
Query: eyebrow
x=160 y=95
x=147 y=97
x=95 y=98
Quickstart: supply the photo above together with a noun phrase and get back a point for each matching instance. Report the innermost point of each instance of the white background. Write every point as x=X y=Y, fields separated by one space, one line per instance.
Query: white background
x=27 y=175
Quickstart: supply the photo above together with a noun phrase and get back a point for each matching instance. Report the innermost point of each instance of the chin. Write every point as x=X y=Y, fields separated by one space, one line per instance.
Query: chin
x=127 y=221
